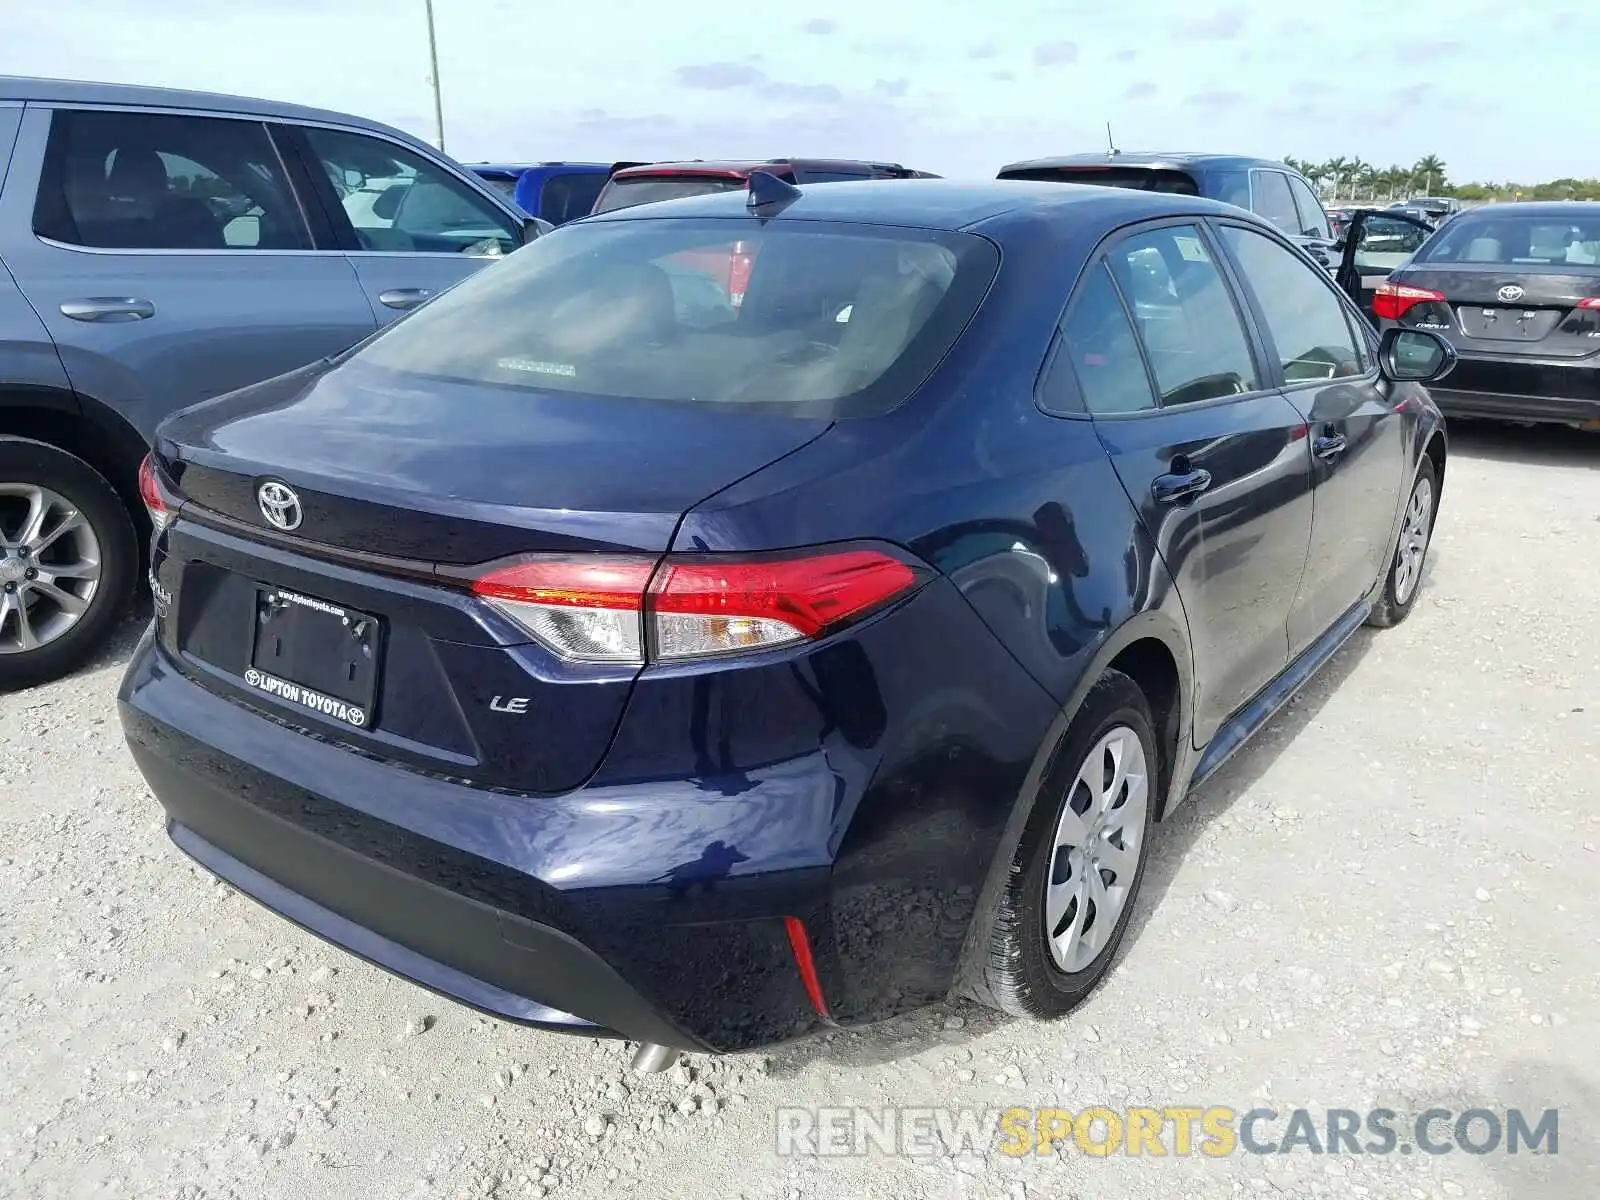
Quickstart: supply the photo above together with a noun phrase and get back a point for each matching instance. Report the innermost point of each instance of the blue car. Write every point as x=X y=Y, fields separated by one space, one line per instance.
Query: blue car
x=619 y=660
x=557 y=192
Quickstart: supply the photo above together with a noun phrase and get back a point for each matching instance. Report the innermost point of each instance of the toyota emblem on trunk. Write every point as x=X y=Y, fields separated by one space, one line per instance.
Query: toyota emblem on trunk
x=279 y=505
x=1510 y=294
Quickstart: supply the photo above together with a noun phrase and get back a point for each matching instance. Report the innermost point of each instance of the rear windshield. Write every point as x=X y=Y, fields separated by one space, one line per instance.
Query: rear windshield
x=647 y=189
x=1144 y=179
x=806 y=318
x=1516 y=239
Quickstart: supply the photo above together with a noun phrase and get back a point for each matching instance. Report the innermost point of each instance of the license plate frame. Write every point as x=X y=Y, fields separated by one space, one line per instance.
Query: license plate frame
x=316 y=656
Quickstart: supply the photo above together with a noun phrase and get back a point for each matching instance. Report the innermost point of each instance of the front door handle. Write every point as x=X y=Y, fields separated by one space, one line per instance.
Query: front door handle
x=108 y=308
x=404 y=297
x=1329 y=446
x=1179 y=487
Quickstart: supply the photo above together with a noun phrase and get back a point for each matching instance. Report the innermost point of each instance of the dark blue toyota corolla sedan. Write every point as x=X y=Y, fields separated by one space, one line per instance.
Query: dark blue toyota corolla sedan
x=746 y=614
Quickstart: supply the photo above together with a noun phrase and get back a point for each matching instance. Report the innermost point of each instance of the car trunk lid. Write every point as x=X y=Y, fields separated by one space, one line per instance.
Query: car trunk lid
x=359 y=623
x=1496 y=309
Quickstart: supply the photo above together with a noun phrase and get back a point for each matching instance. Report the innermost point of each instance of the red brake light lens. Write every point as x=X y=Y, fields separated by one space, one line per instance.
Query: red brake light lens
x=1592 y=303
x=585 y=609
x=595 y=609
x=703 y=607
x=155 y=500
x=1393 y=300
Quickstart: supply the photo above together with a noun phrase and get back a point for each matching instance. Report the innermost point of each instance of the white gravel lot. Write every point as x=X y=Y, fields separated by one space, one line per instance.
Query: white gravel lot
x=1388 y=900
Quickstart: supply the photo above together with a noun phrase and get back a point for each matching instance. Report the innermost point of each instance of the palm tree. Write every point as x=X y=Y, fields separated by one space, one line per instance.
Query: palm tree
x=1333 y=172
x=1356 y=174
x=1430 y=167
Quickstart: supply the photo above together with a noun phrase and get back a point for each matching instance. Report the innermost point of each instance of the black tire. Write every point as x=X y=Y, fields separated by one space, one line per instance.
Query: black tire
x=1018 y=974
x=25 y=461
x=1391 y=607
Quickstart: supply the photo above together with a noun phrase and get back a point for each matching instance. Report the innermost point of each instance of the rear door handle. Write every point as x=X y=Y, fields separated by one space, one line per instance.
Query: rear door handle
x=1329 y=446
x=108 y=308
x=404 y=297
x=1179 y=487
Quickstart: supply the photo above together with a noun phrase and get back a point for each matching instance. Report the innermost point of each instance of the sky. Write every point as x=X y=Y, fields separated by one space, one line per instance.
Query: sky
x=959 y=89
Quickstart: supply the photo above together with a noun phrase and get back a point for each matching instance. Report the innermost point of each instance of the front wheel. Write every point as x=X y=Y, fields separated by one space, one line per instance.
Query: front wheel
x=68 y=560
x=1079 y=863
x=1403 y=579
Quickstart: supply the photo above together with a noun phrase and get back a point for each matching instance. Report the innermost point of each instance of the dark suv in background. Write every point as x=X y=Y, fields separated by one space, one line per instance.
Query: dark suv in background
x=650 y=182
x=1268 y=189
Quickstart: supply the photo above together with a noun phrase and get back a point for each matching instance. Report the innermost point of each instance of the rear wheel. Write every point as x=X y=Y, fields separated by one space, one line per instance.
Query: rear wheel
x=68 y=560
x=1078 y=866
x=1403 y=580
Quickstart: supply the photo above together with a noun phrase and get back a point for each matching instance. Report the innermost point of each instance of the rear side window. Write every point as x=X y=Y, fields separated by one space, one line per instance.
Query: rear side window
x=1105 y=356
x=154 y=182
x=648 y=189
x=1184 y=314
x=1306 y=319
x=828 y=319
x=506 y=185
x=1510 y=239
x=1313 y=221
x=565 y=198
x=1270 y=198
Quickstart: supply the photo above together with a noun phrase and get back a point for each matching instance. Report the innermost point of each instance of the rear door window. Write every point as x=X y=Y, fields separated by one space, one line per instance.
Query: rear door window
x=150 y=181
x=1185 y=315
x=1271 y=198
x=1304 y=315
x=396 y=200
x=833 y=319
x=1313 y=221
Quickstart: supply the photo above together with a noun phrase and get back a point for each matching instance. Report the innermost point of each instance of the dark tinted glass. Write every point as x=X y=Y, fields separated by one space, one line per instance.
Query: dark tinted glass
x=802 y=317
x=1304 y=316
x=1104 y=355
x=625 y=193
x=567 y=197
x=1270 y=198
x=156 y=182
x=1184 y=314
x=1313 y=221
x=1144 y=179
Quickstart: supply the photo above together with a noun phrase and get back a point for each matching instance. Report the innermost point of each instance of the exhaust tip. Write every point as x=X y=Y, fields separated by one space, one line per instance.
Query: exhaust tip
x=652 y=1059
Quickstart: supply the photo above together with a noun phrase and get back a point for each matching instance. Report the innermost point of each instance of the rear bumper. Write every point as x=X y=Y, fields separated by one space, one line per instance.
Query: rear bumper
x=1521 y=391
x=697 y=963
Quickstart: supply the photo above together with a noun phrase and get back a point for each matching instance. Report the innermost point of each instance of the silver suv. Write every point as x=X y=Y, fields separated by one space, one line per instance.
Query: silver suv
x=158 y=248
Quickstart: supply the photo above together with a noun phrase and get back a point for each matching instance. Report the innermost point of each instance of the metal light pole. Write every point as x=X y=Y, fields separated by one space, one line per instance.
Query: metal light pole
x=433 y=61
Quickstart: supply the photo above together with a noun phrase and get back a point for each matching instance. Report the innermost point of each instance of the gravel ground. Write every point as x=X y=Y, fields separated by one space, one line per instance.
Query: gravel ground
x=1387 y=900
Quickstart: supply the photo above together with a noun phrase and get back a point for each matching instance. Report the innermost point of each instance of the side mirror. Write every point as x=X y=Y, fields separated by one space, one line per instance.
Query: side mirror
x=1414 y=356
x=534 y=228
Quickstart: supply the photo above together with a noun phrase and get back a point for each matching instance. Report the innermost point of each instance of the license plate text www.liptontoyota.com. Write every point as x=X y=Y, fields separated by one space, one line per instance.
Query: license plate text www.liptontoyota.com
x=350 y=714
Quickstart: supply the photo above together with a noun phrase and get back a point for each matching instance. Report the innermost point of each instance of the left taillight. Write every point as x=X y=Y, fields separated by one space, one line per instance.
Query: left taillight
x=158 y=502
x=628 y=611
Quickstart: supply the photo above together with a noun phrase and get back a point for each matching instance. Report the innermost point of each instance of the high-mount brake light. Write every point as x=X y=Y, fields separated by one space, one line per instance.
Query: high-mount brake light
x=597 y=609
x=1592 y=303
x=1393 y=300
x=155 y=500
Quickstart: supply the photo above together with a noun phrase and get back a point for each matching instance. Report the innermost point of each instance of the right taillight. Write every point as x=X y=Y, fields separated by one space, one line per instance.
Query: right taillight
x=156 y=502
x=627 y=611
x=1393 y=300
